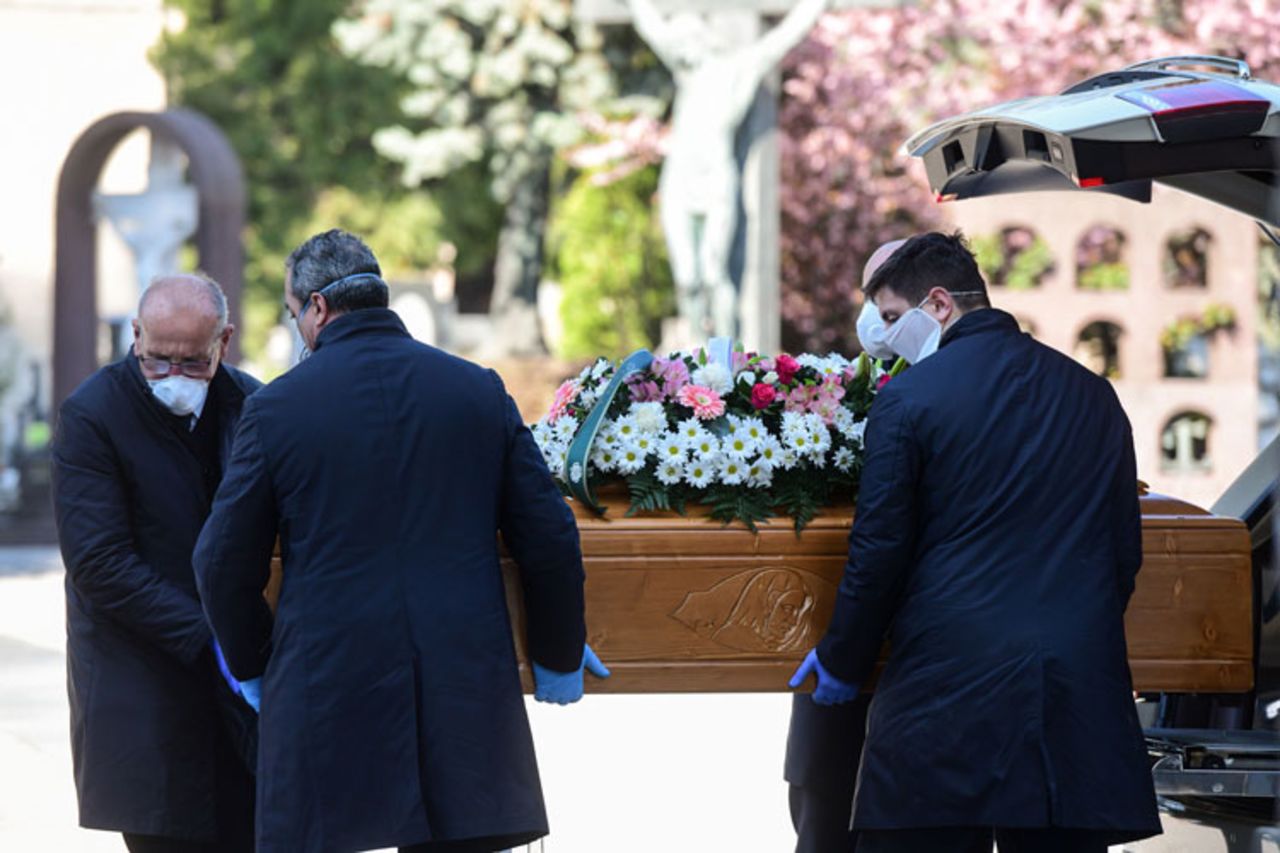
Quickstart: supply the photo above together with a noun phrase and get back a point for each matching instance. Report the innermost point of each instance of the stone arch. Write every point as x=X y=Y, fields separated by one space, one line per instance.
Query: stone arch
x=1186 y=442
x=213 y=169
x=1097 y=347
x=1185 y=259
x=1016 y=257
x=1102 y=258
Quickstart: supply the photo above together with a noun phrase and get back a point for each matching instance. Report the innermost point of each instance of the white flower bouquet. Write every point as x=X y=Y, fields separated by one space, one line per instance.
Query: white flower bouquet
x=748 y=435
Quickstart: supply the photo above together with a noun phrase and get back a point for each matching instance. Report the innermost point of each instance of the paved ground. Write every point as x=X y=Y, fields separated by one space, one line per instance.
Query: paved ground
x=621 y=774
x=646 y=773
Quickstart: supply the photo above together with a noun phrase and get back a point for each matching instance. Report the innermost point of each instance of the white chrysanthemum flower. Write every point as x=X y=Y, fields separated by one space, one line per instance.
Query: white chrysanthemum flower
x=626 y=427
x=798 y=441
x=608 y=436
x=843 y=459
x=649 y=417
x=699 y=474
x=541 y=432
x=645 y=443
x=859 y=431
x=733 y=422
x=843 y=420
x=759 y=475
x=733 y=472
x=587 y=398
x=739 y=445
x=770 y=451
x=755 y=429
x=706 y=448
x=820 y=439
x=793 y=423
x=630 y=458
x=605 y=459
x=788 y=459
x=600 y=367
x=671 y=448
x=808 y=359
x=565 y=429
x=713 y=376
x=670 y=473
x=690 y=430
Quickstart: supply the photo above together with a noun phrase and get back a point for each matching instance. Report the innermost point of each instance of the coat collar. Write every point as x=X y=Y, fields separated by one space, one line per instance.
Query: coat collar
x=366 y=321
x=978 y=322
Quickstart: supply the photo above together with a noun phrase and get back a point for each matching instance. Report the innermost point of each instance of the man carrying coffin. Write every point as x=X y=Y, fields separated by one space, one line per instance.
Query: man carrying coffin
x=995 y=545
x=159 y=742
x=391 y=708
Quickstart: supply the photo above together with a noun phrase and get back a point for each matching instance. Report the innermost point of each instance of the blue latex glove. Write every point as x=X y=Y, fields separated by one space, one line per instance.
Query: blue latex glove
x=250 y=691
x=564 y=688
x=830 y=690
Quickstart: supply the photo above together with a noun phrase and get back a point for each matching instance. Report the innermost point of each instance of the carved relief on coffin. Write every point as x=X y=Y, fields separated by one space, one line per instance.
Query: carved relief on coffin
x=760 y=610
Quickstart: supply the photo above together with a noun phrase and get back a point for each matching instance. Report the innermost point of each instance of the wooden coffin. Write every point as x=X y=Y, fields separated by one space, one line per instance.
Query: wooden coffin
x=683 y=604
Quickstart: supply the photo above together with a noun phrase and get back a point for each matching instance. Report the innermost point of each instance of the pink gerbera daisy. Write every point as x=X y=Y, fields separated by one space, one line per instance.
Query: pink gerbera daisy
x=565 y=395
x=706 y=404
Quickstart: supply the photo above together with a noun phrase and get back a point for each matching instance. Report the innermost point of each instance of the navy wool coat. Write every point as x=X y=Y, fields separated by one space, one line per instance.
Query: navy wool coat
x=130 y=498
x=392 y=711
x=996 y=542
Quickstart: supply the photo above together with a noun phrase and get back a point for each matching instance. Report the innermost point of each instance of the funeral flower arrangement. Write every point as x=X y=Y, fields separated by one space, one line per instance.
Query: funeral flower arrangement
x=748 y=435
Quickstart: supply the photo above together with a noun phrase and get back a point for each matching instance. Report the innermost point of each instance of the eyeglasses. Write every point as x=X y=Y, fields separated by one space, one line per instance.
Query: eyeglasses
x=165 y=367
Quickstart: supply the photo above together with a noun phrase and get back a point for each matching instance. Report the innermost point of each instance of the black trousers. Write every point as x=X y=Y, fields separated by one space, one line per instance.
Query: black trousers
x=469 y=845
x=964 y=839
x=821 y=820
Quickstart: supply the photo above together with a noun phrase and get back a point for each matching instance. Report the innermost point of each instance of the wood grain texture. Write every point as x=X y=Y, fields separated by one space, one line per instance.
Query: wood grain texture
x=679 y=605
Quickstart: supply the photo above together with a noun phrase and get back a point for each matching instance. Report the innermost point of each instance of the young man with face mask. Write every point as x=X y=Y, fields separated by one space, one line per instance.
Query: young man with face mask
x=995 y=546
x=162 y=748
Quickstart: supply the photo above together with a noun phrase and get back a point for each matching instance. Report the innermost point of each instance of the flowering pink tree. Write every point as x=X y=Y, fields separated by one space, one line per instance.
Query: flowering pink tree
x=865 y=80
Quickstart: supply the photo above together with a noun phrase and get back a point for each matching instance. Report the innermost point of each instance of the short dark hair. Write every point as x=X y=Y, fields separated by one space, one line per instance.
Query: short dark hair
x=331 y=257
x=932 y=260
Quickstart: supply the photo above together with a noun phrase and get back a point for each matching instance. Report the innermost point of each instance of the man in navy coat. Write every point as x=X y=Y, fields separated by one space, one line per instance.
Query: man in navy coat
x=995 y=546
x=391 y=707
x=158 y=742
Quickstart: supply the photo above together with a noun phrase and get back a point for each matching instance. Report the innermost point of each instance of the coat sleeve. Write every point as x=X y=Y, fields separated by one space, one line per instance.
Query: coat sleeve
x=95 y=534
x=233 y=554
x=539 y=531
x=881 y=545
x=1127 y=535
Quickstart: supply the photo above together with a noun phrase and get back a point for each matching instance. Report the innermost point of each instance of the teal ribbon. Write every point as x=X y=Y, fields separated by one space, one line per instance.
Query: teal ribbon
x=576 y=460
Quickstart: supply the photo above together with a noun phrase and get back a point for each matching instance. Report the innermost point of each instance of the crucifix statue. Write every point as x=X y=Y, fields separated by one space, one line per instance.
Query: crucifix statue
x=717 y=81
x=156 y=223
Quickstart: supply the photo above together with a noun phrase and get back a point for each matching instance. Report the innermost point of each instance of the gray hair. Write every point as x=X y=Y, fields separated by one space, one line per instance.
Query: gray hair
x=339 y=258
x=210 y=289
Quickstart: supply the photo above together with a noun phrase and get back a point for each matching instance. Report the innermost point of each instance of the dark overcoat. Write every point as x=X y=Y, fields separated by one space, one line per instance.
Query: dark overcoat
x=996 y=541
x=392 y=711
x=130 y=498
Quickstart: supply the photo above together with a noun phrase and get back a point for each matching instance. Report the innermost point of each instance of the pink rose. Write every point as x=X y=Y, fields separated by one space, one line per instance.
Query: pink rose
x=787 y=367
x=762 y=396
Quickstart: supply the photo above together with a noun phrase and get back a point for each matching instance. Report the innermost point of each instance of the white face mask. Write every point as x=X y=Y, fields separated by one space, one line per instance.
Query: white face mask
x=915 y=336
x=871 y=332
x=181 y=395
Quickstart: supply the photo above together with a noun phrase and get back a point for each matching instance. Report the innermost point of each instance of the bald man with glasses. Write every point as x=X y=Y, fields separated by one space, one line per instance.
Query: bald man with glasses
x=162 y=743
